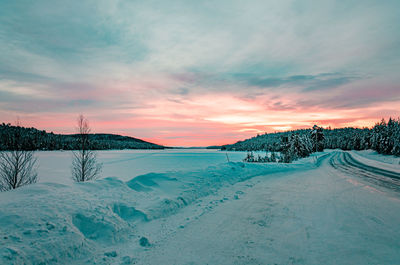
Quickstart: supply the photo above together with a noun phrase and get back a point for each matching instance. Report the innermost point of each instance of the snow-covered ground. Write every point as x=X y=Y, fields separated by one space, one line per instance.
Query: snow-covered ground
x=373 y=155
x=327 y=209
x=55 y=166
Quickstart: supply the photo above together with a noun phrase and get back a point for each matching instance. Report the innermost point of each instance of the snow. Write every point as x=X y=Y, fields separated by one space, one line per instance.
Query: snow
x=310 y=212
x=373 y=155
x=55 y=166
x=378 y=163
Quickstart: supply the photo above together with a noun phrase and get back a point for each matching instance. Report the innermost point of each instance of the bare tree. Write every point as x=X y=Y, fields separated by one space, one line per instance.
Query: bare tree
x=17 y=167
x=84 y=163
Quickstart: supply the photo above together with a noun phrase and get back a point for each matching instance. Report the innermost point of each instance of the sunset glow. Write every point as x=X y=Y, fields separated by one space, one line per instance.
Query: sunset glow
x=196 y=73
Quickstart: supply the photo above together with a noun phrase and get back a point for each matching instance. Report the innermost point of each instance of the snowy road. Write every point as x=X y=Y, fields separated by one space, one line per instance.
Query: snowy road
x=337 y=208
x=329 y=215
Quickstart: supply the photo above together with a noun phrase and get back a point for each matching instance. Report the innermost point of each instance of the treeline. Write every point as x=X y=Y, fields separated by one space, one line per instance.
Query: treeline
x=267 y=141
x=21 y=138
x=293 y=147
x=384 y=138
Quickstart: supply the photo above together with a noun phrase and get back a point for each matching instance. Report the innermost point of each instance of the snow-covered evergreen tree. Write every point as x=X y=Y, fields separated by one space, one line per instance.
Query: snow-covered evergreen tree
x=383 y=138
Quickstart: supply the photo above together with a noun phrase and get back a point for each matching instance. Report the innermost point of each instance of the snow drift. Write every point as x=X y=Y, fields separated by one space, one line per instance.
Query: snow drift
x=49 y=222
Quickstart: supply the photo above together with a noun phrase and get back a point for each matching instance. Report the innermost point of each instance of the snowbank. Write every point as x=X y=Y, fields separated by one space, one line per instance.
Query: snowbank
x=373 y=159
x=373 y=155
x=49 y=222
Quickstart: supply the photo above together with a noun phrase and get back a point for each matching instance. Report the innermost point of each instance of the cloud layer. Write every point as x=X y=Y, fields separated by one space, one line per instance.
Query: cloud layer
x=198 y=72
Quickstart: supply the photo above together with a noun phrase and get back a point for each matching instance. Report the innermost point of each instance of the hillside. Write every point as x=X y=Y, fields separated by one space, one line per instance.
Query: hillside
x=13 y=137
x=384 y=138
x=343 y=138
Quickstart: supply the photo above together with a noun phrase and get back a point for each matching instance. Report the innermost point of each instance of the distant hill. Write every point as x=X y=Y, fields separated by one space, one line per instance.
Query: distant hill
x=214 y=147
x=13 y=137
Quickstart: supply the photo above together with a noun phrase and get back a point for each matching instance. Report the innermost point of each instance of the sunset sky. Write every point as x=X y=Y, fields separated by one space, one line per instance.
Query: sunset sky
x=197 y=73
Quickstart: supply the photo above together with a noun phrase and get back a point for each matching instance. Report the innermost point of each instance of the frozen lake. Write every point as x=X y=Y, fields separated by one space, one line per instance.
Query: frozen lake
x=55 y=166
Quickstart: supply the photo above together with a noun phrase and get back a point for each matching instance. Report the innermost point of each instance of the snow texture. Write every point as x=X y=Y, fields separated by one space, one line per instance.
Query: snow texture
x=55 y=166
x=320 y=210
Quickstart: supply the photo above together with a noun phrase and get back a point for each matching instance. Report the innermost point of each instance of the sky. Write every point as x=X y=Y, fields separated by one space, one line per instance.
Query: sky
x=198 y=73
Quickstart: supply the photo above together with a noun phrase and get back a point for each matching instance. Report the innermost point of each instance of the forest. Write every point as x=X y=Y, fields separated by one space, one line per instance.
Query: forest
x=383 y=137
x=21 y=138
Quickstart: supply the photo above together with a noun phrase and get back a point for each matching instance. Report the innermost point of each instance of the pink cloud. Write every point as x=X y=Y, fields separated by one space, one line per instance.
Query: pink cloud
x=151 y=108
x=212 y=119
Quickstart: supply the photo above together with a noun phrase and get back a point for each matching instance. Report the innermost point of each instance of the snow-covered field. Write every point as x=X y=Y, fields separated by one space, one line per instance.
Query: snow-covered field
x=332 y=208
x=55 y=166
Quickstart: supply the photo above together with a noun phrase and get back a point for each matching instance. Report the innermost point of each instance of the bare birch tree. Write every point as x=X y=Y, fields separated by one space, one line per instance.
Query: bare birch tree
x=17 y=167
x=84 y=163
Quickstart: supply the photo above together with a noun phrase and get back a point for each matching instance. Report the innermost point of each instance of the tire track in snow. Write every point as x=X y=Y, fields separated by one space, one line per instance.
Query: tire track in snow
x=349 y=159
x=346 y=163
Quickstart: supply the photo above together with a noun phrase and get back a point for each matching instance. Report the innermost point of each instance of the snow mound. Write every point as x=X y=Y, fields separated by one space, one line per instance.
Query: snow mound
x=48 y=223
